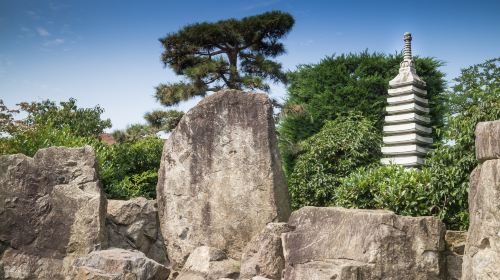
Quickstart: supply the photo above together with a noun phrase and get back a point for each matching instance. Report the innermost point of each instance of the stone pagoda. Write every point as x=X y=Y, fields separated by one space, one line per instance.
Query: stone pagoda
x=407 y=134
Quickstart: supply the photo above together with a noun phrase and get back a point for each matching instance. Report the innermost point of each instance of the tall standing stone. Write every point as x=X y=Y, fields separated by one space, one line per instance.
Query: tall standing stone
x=406 y=130
x=220 y=180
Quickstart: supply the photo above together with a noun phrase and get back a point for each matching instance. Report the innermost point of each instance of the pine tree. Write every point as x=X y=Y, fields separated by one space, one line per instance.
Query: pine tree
x=235 y=54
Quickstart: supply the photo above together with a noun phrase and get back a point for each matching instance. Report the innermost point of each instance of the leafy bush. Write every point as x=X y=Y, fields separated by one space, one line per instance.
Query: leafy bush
x=141 y=184
x=340 y=147
x=404 y=191
x=130 y=169
x=339 y=84
x=29 y=141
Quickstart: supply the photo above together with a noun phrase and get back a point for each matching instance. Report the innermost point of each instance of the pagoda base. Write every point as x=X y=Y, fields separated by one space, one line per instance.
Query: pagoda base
x=407 y=161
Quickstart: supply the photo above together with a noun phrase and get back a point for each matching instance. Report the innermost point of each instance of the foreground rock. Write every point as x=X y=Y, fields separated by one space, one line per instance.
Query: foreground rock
x=133 y=224
x=117 y=264
x=488 y=140
x=51 y=210
x=263 y=256
x=207 y=263
x=337 y=243
x=482 y=251
x=220 y=180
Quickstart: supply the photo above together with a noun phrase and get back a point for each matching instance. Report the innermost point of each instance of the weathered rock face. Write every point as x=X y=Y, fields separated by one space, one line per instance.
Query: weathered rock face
x=51 y=209
x=133 y=224
x=263 y=255
x=338 y=243
x=455 y=247
x=117 y=264
x=482 y=250
x=488 y=140
x=220 y=180
x=207 y=263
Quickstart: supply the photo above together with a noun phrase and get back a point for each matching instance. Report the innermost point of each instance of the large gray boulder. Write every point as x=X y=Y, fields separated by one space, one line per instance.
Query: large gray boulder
x=51 y=210
x=482 y=250
x=117 y=264
x=133 y=224
x=338 y=243
x=263 y=255
x=488 y=140
x=207 y=263
x=220 y=180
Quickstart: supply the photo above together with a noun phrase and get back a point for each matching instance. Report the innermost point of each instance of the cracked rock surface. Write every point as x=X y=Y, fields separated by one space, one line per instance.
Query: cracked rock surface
x=133 y=224
x=220 y=180
x=117 y=264
x=338 y=243
x=51 y=210
x=482 y=249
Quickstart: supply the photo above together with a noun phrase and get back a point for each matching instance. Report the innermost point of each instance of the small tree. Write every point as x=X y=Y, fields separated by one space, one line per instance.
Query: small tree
x=229 y=53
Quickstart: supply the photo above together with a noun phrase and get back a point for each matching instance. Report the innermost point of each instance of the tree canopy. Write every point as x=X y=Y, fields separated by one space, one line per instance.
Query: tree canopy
x=342 y=84
x=230 y=53
x=85 y=122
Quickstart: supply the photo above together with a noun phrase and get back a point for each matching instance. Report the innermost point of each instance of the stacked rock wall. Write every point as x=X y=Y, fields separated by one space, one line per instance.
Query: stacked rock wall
x=52 y=221
x=218 y=216
x=482 y=250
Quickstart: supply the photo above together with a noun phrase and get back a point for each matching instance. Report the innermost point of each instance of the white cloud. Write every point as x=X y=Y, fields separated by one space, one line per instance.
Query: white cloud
x=54 y=43
x=34 y=15
x=42 y=32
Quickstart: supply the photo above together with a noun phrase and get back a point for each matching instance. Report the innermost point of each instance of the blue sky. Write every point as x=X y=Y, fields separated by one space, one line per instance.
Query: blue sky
x=107 y=52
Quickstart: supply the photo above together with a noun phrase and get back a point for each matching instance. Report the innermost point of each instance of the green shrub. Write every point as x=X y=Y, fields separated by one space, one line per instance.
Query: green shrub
x=141 y=184
x=339 y=148
x=29 y=141
x=404 y=191
x=129 y=169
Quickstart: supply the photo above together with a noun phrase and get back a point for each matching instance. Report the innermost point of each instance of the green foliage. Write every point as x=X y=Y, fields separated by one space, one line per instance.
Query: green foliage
x=340 y=84
x=475 y=98
x=226 y=54
x=404 y=191
x=440 y=188
x=134 y=132
x=85 y=122
x=126 y=169
x=46 y=124
x=340 y=147
x=164 y=120
x=129 y=169
x=29 y=141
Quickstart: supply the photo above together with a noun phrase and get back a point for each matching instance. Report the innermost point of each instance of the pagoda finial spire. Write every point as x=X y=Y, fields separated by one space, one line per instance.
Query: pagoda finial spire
x=407 y=50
